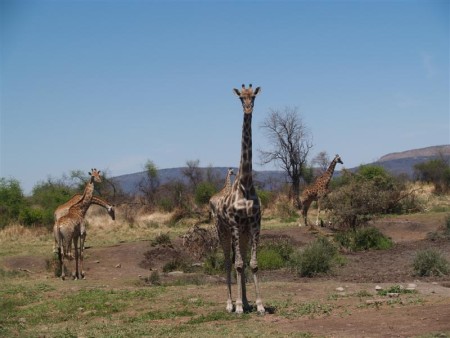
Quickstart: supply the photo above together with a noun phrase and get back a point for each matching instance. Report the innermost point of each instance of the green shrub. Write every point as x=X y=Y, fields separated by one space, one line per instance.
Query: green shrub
x=430 y=262
x=12 y=201
x=359 y=197
x=282 y=246
x=447 y=227
x=286 y=211
x=203 y=192
x=266 y=197
x=214 y=263
x=166 y=204
x=363 y=239
x=436 y=171
x=371 y=238
x=161 y=239
x=153 y=279
x=318 y=257
x=270 y=259
x=29 y=216
x=46 y=197
x=177 y=264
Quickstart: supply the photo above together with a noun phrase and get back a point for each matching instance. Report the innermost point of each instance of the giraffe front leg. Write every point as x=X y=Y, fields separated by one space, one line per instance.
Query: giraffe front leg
x=254 y=266
x=77 y=258
x=318 y=213
x=228 y=271
x=225 y=241
x=82 y=239
x=239 y=265
x=243 y=239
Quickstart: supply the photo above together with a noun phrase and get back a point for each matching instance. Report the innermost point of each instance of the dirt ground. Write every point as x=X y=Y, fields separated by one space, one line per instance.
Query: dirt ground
x=427 y=312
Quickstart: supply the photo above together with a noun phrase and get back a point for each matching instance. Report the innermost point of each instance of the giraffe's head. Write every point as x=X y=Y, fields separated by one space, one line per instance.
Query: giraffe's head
x=95 y=176
x=337 y=158
x=231 y=172
x=247 y=97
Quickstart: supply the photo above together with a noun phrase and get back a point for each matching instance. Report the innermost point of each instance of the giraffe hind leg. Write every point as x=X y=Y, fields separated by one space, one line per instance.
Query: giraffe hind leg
x=239 y=267
x=254 y=266
x=225 y=242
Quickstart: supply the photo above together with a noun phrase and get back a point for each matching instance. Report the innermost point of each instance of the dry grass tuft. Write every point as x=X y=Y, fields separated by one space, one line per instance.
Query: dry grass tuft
x=17 y=233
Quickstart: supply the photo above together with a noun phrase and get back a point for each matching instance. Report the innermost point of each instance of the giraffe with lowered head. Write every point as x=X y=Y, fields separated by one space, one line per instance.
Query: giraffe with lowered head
x=238 y=214
x=63 y=209
x=68 y=228
x=318 y=190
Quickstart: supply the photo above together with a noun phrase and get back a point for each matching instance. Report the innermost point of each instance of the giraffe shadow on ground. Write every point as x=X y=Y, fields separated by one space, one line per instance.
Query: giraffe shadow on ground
x=270 y=310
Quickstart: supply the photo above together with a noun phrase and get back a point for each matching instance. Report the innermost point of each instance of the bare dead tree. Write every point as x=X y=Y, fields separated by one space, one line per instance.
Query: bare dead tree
x=322 y=161
x=193 y=173
x=291 y=141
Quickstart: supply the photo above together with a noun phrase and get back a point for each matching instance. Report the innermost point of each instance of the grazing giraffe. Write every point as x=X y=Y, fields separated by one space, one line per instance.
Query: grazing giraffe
x=318 y=190
x=63 y=209
x=68 y=228
x=238 y=214
x=225 y=190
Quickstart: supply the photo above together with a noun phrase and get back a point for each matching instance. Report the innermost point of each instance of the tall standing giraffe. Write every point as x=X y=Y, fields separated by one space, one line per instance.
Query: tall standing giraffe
x=63 y=209
x=225 y=190
x=318 y=190
x=238 y=217
x=68 y=228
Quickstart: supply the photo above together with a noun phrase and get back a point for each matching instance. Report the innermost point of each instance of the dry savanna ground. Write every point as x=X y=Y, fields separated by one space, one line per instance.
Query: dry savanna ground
x=126 y=293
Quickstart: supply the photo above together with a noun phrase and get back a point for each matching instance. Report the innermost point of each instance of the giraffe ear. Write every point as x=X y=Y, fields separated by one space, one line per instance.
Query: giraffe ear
x=237 y=92
x=257 y=91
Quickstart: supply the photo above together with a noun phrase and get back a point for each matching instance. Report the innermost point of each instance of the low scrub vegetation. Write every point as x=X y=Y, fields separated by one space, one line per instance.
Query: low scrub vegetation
x=318 y=257
x=358 y=197
x=363 y=239
x=430 y=262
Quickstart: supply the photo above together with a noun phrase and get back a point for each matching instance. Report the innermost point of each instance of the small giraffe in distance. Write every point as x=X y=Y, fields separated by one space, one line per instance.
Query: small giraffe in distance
x=68 y=228
x=238 y=214
x=318 y=190
x=225 y=190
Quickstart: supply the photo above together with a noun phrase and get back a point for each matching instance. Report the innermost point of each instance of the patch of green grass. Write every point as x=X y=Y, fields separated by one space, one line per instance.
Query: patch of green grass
x=217 y=316
x=156 y=315
x=311 y=309
x=395 y=289
x=363 y=293
x=188 y=280
x=34 y=306
x=10 y=274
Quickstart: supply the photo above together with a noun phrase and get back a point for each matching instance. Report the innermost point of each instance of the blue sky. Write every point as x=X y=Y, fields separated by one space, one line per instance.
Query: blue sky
x=111 y=84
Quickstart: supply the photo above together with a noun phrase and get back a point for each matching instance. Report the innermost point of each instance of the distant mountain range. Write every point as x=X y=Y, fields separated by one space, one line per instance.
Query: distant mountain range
x=404 y=162
x=396 y=163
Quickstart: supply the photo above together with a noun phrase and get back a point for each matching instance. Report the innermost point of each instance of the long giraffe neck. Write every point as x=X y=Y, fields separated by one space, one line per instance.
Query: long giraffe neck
x=329 y=173
x=227 y=185
x=245 y=168
x=86 y=199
